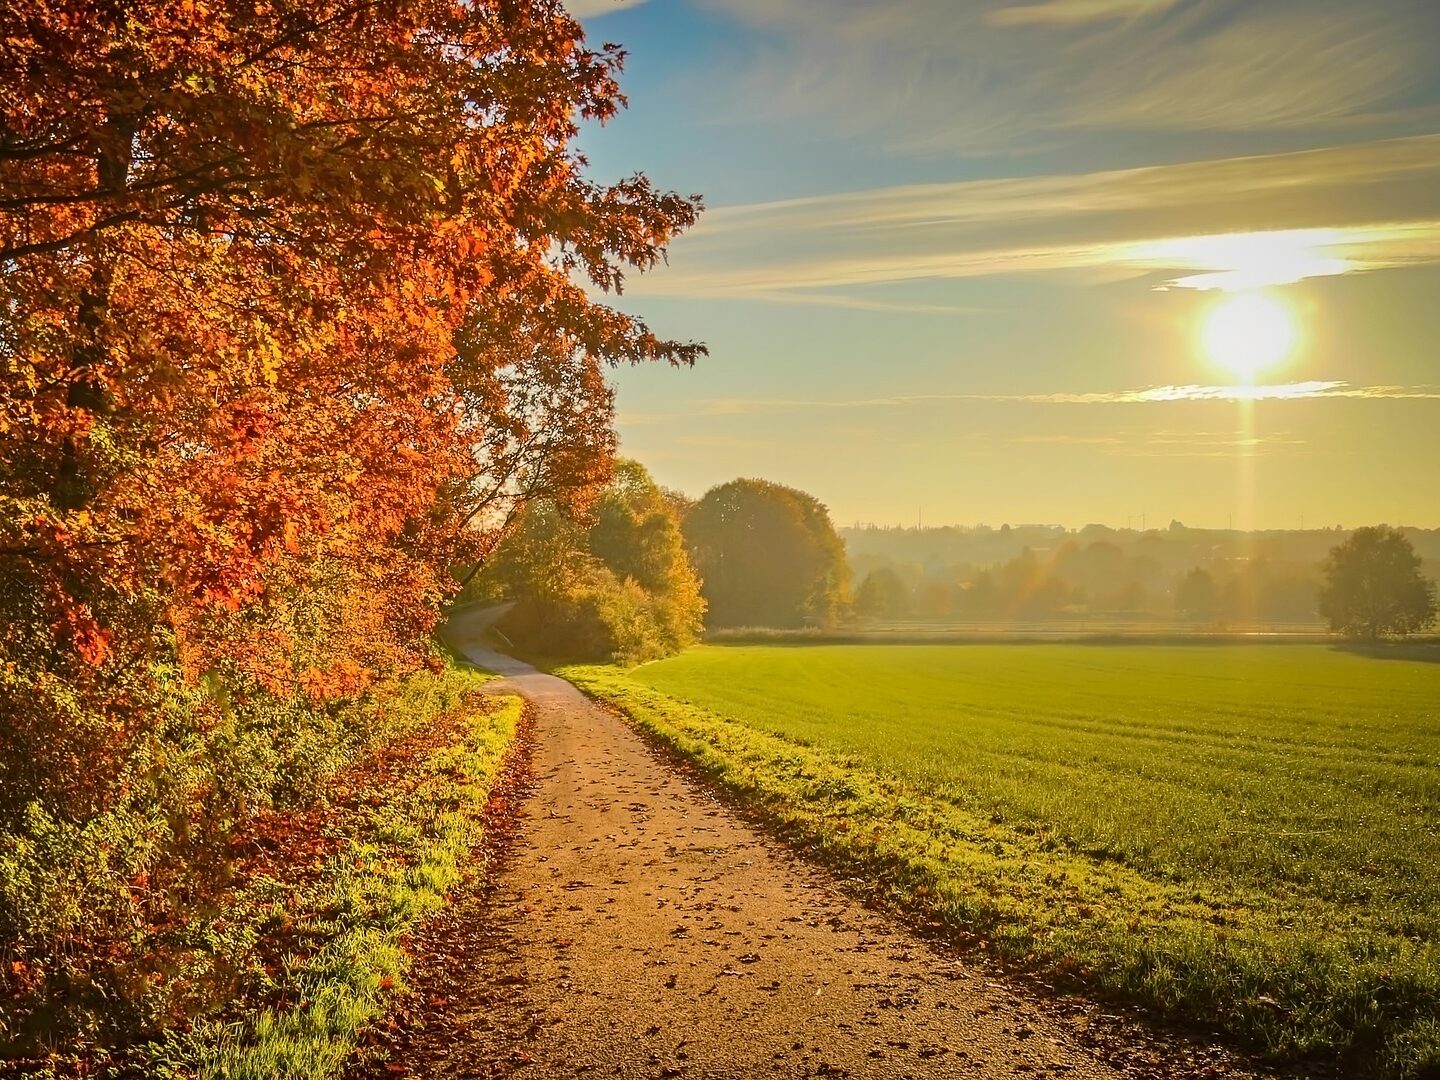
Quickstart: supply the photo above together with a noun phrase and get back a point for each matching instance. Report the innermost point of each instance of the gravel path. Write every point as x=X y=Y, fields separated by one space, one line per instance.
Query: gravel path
x=637 y=928
x=630 y=924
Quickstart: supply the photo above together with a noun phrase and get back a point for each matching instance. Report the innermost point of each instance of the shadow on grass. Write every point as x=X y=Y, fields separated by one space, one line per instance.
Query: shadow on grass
x=800 y=638
x=1426 y=652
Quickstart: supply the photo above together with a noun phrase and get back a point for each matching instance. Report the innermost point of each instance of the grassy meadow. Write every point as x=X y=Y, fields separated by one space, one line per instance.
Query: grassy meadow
x=1245 y=835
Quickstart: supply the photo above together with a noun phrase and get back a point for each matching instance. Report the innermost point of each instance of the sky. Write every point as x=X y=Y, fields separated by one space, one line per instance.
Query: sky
x=1061 y=261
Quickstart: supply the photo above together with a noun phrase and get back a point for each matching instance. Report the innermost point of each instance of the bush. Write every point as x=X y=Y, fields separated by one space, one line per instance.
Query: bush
x=621 y=588
x=90 y=904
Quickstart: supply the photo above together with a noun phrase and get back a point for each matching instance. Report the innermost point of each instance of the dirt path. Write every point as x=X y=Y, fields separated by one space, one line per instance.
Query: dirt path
x=639 y=929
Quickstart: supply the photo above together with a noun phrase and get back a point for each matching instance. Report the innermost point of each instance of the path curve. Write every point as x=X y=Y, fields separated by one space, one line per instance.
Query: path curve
x=638 y=928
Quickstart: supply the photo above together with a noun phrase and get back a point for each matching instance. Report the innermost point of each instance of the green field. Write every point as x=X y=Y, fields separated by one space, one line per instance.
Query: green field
x=1243 y=834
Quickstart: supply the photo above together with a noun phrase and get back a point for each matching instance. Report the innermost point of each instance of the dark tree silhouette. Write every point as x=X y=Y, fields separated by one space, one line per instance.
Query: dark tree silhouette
x=767 y=555
x=1197 y=597
x=1373 y=586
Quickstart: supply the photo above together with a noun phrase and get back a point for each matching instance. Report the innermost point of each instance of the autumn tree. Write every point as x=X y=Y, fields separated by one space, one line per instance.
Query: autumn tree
x=563 y=600
x=637 y=535
x=619 y=587
x=1028 y=588
x=882 y=595
x=1373 y=586
x=293 y=318
x=768 y=555
x=292 y=303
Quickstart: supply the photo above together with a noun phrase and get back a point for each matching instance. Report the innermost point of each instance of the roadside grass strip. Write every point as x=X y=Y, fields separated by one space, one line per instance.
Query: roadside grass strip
x=408 y=850
x=1298 y=981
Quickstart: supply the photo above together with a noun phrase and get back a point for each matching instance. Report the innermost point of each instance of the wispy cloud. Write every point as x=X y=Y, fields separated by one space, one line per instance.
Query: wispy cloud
x=1255 y=260
x=947 y=77
x=1139 y=396
x=1071 y=12
x=1275 y=392
x=860 y=303
x=589 y=9
x=1066 y=439
x=1308 y=214
x=1150 y=444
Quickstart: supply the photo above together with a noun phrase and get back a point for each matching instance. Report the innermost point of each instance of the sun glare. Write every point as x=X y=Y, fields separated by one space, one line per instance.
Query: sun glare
x=1249 y=333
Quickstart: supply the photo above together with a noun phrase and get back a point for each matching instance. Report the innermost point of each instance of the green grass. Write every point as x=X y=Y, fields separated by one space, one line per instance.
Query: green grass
x=410 y=850
x=1244 y=835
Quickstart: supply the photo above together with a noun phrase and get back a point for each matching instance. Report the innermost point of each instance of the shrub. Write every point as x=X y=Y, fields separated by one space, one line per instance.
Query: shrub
x=89 y=903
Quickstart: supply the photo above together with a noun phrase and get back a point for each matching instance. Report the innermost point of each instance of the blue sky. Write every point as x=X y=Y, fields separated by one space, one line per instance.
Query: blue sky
x=954 y=251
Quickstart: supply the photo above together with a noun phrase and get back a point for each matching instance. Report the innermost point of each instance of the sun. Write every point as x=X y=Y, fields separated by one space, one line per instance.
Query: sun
x=1249 y=333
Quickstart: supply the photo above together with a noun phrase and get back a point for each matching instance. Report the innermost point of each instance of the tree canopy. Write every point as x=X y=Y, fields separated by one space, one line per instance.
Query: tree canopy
x=293 y=321
x=621 y=588
x=1373 y=586
x=768 y=555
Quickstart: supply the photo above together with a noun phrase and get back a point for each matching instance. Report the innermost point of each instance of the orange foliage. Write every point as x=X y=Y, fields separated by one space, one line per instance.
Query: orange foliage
x=291 y=322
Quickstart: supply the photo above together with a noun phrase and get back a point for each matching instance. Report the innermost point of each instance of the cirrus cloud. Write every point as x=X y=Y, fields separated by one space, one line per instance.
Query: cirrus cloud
x=589 y=9
x=1149 y=395
x=1305 y=214
x=1071 y=12
x=995 y=75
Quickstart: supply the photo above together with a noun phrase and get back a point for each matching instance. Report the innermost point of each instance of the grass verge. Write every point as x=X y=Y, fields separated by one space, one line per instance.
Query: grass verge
x=1223 y=955
x=403 y=849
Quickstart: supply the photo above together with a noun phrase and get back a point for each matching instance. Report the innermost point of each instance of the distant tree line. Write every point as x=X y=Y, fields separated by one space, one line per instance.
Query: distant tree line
x=1099 y=578
x=646 y=569
x=1175 y=547
x=1210 y=578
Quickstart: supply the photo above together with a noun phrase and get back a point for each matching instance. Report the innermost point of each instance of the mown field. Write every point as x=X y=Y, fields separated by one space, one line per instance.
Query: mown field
x=1247 y=835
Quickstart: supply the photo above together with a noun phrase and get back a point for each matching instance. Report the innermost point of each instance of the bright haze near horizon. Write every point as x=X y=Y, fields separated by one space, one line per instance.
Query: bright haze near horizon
x=1042 y=260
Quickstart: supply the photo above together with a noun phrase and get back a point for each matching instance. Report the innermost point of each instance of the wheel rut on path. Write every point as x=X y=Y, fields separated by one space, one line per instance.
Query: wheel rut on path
x=637 y=927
